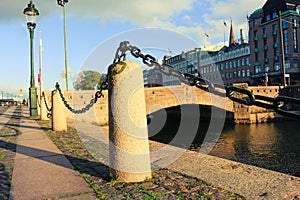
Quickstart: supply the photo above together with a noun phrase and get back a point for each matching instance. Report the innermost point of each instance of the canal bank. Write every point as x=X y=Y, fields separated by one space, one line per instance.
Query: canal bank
x=249 y=181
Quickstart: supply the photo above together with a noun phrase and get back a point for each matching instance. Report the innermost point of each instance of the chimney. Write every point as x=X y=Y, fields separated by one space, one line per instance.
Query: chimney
x=242 y=34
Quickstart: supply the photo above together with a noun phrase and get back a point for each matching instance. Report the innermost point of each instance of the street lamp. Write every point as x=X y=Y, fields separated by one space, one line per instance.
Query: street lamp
x=63 y=3
x=31 y=12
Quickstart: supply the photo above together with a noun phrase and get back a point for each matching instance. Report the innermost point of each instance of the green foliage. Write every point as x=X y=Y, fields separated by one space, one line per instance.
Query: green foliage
x=88 y=80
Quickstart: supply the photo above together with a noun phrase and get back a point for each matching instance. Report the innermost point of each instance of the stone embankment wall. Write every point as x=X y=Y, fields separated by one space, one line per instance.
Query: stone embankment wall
x=255 y=114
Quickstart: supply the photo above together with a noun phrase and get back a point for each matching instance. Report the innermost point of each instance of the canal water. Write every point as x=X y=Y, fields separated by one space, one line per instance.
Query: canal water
x=274 y=146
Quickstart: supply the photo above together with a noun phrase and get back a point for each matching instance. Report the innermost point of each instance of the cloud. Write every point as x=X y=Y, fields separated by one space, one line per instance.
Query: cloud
x=137 y=11
x=208 y=17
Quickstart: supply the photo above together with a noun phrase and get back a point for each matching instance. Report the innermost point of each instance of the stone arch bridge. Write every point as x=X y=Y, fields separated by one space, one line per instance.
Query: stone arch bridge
x=170 y=96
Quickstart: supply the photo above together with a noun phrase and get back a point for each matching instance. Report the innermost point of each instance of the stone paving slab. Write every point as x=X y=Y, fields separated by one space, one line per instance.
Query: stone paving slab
x=249 y=181
x=4 y=118
x=40 y=169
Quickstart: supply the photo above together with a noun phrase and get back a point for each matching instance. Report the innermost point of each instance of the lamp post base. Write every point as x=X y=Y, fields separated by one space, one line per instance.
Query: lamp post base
x=33 y=103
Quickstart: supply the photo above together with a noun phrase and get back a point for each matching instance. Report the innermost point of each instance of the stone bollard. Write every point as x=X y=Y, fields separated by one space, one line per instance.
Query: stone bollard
x=59 y=119
x=128 y=134
x=43 y=108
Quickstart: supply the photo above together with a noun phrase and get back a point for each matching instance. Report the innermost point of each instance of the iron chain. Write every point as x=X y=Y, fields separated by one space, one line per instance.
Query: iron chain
x=98 y=95
x=47 y=107
x=205 y=84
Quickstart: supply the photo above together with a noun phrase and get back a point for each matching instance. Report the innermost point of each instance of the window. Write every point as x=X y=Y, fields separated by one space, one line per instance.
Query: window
x=255 y=22
x=276 y=52
x=230 y=75
x=274 y=28
x=276 y=66
x=266 y=54
x=295 y=41
x=268 y=18
x=264 y=31
x=248 y=72
x=286 y=49
x=267 y=68
x=255 y=44
x=285 y=24
x=257 y=69
x=243 y=73
x=221 y=66
x=296 y=63
x=255 y=34
x=243 y=62
x=234 y=64
x=247 y=50
x=239 y=73
x=274 y=15
x=287 y=64
x=294 y=23
x=226 y=65
x=256 y=57
x=286 y=37
x=247 y=61
x=238 y=63
x=230 y=64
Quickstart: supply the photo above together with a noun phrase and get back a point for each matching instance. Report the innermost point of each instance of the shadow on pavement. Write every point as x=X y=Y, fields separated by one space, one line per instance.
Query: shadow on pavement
x=23 y=126
x=4 y=182
x=89 y=167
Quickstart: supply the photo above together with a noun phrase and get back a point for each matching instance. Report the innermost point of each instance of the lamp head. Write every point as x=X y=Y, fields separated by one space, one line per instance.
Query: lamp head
x=31 y=12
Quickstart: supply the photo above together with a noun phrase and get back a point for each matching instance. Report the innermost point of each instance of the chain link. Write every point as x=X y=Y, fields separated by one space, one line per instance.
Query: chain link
x=98 y=95
x=47 y=107
x=249 y=98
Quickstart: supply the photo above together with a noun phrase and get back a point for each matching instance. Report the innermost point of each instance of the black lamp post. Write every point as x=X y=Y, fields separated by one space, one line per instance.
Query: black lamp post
x=63 y=3
x=31 y=12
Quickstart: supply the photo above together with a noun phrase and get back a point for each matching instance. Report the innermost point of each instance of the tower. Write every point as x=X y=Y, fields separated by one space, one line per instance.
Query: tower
x=231 y=36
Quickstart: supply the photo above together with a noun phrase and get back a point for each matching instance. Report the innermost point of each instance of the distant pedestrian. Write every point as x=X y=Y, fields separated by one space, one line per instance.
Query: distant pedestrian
x=24 y=102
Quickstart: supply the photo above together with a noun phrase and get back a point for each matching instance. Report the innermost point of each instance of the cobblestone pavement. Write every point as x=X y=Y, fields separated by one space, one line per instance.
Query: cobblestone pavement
x=8 y=139
x=164 y=184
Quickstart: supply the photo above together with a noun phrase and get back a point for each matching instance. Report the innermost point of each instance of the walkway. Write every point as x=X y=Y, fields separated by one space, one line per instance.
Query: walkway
x=40 y=170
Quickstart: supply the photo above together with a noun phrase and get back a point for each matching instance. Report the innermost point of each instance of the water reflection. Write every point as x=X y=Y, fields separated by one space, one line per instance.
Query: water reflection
x=274 y=146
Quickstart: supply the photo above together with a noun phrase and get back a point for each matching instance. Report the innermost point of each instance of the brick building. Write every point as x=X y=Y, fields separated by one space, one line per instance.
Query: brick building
x=274 y=35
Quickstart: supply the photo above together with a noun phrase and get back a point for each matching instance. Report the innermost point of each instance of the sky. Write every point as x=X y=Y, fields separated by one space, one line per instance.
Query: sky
x=96 y=27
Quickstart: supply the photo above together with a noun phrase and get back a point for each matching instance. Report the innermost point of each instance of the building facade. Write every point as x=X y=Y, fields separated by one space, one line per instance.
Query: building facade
x=152 y=77
x=186 y=62
x=274 y=42
x=227 y=66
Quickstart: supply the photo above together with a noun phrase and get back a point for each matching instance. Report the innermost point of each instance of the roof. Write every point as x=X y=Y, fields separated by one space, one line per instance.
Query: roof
x=260 y=10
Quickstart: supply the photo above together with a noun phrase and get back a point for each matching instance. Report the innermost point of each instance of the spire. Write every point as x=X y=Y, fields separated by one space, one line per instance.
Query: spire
x=231 y=36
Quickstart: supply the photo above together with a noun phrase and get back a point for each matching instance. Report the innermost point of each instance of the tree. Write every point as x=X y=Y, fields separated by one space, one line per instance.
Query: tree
x=88 y=80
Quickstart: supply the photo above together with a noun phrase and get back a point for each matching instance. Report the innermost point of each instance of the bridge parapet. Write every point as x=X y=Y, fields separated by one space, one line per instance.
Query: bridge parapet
x=164 y=97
